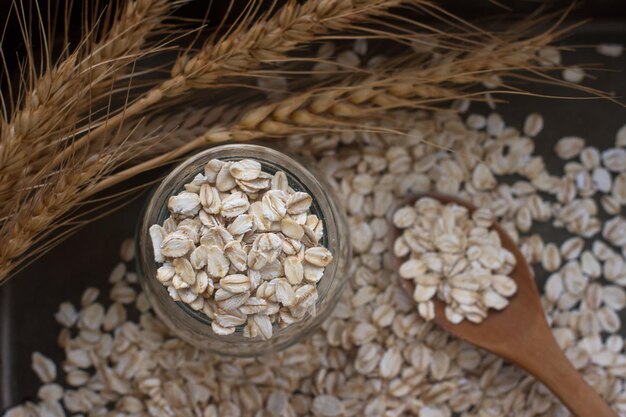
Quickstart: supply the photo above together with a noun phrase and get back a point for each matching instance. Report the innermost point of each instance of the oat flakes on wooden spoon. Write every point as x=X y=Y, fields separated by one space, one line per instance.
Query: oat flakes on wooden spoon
x=518 y=332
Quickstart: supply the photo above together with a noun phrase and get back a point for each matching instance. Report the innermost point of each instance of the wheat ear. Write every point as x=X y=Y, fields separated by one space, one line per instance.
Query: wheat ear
x=347 y=106
x=36 y=218
x=271 y=38
x=53 y=205
x=57 y=98
x=319 y=109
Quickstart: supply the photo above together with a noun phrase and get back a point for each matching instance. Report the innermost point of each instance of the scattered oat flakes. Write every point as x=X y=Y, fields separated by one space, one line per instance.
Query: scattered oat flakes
x=44 y=367
x=550 y=56
x=573 y=74
x=569 y=147
x=533 y=124
x=141 y=368
x=127 y=250
x=613 y=50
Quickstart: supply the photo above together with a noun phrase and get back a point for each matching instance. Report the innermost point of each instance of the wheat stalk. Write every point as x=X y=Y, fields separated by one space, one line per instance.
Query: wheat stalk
x=332 y=107
x=271 y=38
x=52 y=206
x=347 y=106
x=138 y=20
x=475 y=54
x=179 y=128
x=57 y=98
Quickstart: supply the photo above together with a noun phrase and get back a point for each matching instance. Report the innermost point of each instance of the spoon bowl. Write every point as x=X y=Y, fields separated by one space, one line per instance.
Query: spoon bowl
x=520 y=333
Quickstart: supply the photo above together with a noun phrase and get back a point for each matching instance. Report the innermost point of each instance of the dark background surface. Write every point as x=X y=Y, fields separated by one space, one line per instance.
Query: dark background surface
x=29 y=301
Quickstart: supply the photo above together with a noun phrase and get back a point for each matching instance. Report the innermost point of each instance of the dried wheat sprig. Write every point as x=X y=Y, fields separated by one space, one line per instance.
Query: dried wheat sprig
x=334 y=107
x=269 y=40
x=59 y=89
x=272 y=37
x=52 y=206
x=35 y=220
x=398 y=88
x=138 y=20
x=432 y=72
x=69 y=88
x=179 y=128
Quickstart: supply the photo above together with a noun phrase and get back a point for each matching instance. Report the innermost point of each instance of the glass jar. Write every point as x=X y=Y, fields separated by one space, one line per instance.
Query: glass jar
x=195 y=327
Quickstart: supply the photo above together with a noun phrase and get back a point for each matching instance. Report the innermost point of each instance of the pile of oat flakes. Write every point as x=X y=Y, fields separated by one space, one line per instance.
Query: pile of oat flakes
x=375 y=356
x=241 y=246
x=455 y=256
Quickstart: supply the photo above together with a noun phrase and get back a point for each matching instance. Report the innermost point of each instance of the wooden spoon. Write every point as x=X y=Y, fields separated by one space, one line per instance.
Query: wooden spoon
x=520 y=334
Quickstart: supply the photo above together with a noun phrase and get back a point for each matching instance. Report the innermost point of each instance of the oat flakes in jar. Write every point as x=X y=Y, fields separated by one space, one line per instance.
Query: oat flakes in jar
x=243 y=250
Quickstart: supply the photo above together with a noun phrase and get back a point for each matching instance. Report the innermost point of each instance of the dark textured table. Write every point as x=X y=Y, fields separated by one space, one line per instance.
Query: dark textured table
x=29 y=301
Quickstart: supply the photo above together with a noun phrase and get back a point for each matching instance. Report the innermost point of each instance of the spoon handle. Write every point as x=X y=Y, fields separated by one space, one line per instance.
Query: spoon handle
x=546 y=361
